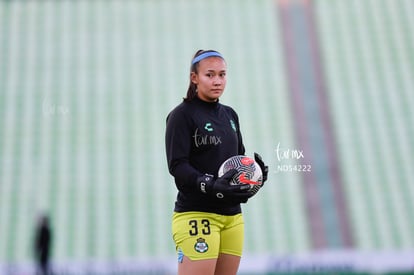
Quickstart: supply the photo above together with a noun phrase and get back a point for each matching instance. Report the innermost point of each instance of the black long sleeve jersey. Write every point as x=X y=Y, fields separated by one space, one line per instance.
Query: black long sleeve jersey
x=199 y=137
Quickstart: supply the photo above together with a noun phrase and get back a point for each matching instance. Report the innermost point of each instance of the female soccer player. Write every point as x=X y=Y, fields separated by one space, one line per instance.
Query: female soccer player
x=201 y=133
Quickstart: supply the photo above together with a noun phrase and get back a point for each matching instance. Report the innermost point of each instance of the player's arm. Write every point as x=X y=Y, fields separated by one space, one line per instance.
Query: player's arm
x=178 y=148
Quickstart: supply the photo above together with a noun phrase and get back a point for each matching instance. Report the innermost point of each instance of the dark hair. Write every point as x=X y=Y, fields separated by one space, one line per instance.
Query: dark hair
x=192 y=88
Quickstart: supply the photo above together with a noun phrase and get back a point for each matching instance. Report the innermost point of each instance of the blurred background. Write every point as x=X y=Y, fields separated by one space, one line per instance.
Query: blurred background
x=324 y=90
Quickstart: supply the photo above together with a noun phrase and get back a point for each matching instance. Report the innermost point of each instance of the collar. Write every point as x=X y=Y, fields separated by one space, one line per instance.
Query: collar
x=205 y=104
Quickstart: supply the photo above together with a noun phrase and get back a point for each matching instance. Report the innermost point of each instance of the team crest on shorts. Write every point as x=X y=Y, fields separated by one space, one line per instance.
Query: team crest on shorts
x=201 y=246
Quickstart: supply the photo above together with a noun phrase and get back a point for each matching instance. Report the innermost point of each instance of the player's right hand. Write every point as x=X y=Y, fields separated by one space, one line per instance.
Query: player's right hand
x=221 y=188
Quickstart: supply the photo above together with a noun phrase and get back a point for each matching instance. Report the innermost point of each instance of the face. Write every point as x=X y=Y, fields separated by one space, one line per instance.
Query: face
x=210 y=79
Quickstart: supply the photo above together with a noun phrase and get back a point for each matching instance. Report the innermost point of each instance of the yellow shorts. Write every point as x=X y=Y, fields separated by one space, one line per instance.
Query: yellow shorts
x=201 y=235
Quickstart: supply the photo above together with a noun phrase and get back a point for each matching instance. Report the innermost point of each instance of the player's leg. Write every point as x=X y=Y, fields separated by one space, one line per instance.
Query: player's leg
x=231 y=246
x=189 y=267
x=227 y=264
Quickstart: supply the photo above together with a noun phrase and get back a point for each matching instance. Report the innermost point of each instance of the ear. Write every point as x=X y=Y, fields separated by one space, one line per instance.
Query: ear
x=194 y=78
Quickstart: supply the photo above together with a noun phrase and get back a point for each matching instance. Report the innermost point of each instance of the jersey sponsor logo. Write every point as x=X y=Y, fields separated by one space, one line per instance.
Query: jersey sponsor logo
x=201 y=246
x=200 y=139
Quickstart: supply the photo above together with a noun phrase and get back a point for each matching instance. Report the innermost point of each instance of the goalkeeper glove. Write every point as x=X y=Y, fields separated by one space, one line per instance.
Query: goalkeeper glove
x=221 y=188
x=265 y=168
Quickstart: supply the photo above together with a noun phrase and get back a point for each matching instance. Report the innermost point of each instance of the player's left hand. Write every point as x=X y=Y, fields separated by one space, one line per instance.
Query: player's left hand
x=263 y=166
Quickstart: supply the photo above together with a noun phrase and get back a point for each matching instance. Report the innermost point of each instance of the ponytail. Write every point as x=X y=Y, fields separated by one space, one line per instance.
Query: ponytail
x=191 y=92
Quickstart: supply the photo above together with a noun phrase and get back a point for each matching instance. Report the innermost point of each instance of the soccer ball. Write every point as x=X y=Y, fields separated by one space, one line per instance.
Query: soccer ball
x=248 y=171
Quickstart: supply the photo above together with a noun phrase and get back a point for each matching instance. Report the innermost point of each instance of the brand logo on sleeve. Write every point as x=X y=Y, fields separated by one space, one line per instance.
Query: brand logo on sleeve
x=233 y=125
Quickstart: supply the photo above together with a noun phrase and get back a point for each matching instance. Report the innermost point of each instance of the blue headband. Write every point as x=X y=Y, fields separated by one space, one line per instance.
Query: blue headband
x=205 y=55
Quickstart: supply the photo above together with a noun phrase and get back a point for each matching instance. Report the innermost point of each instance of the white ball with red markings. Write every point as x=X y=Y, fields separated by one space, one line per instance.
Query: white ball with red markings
x=248 y=171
